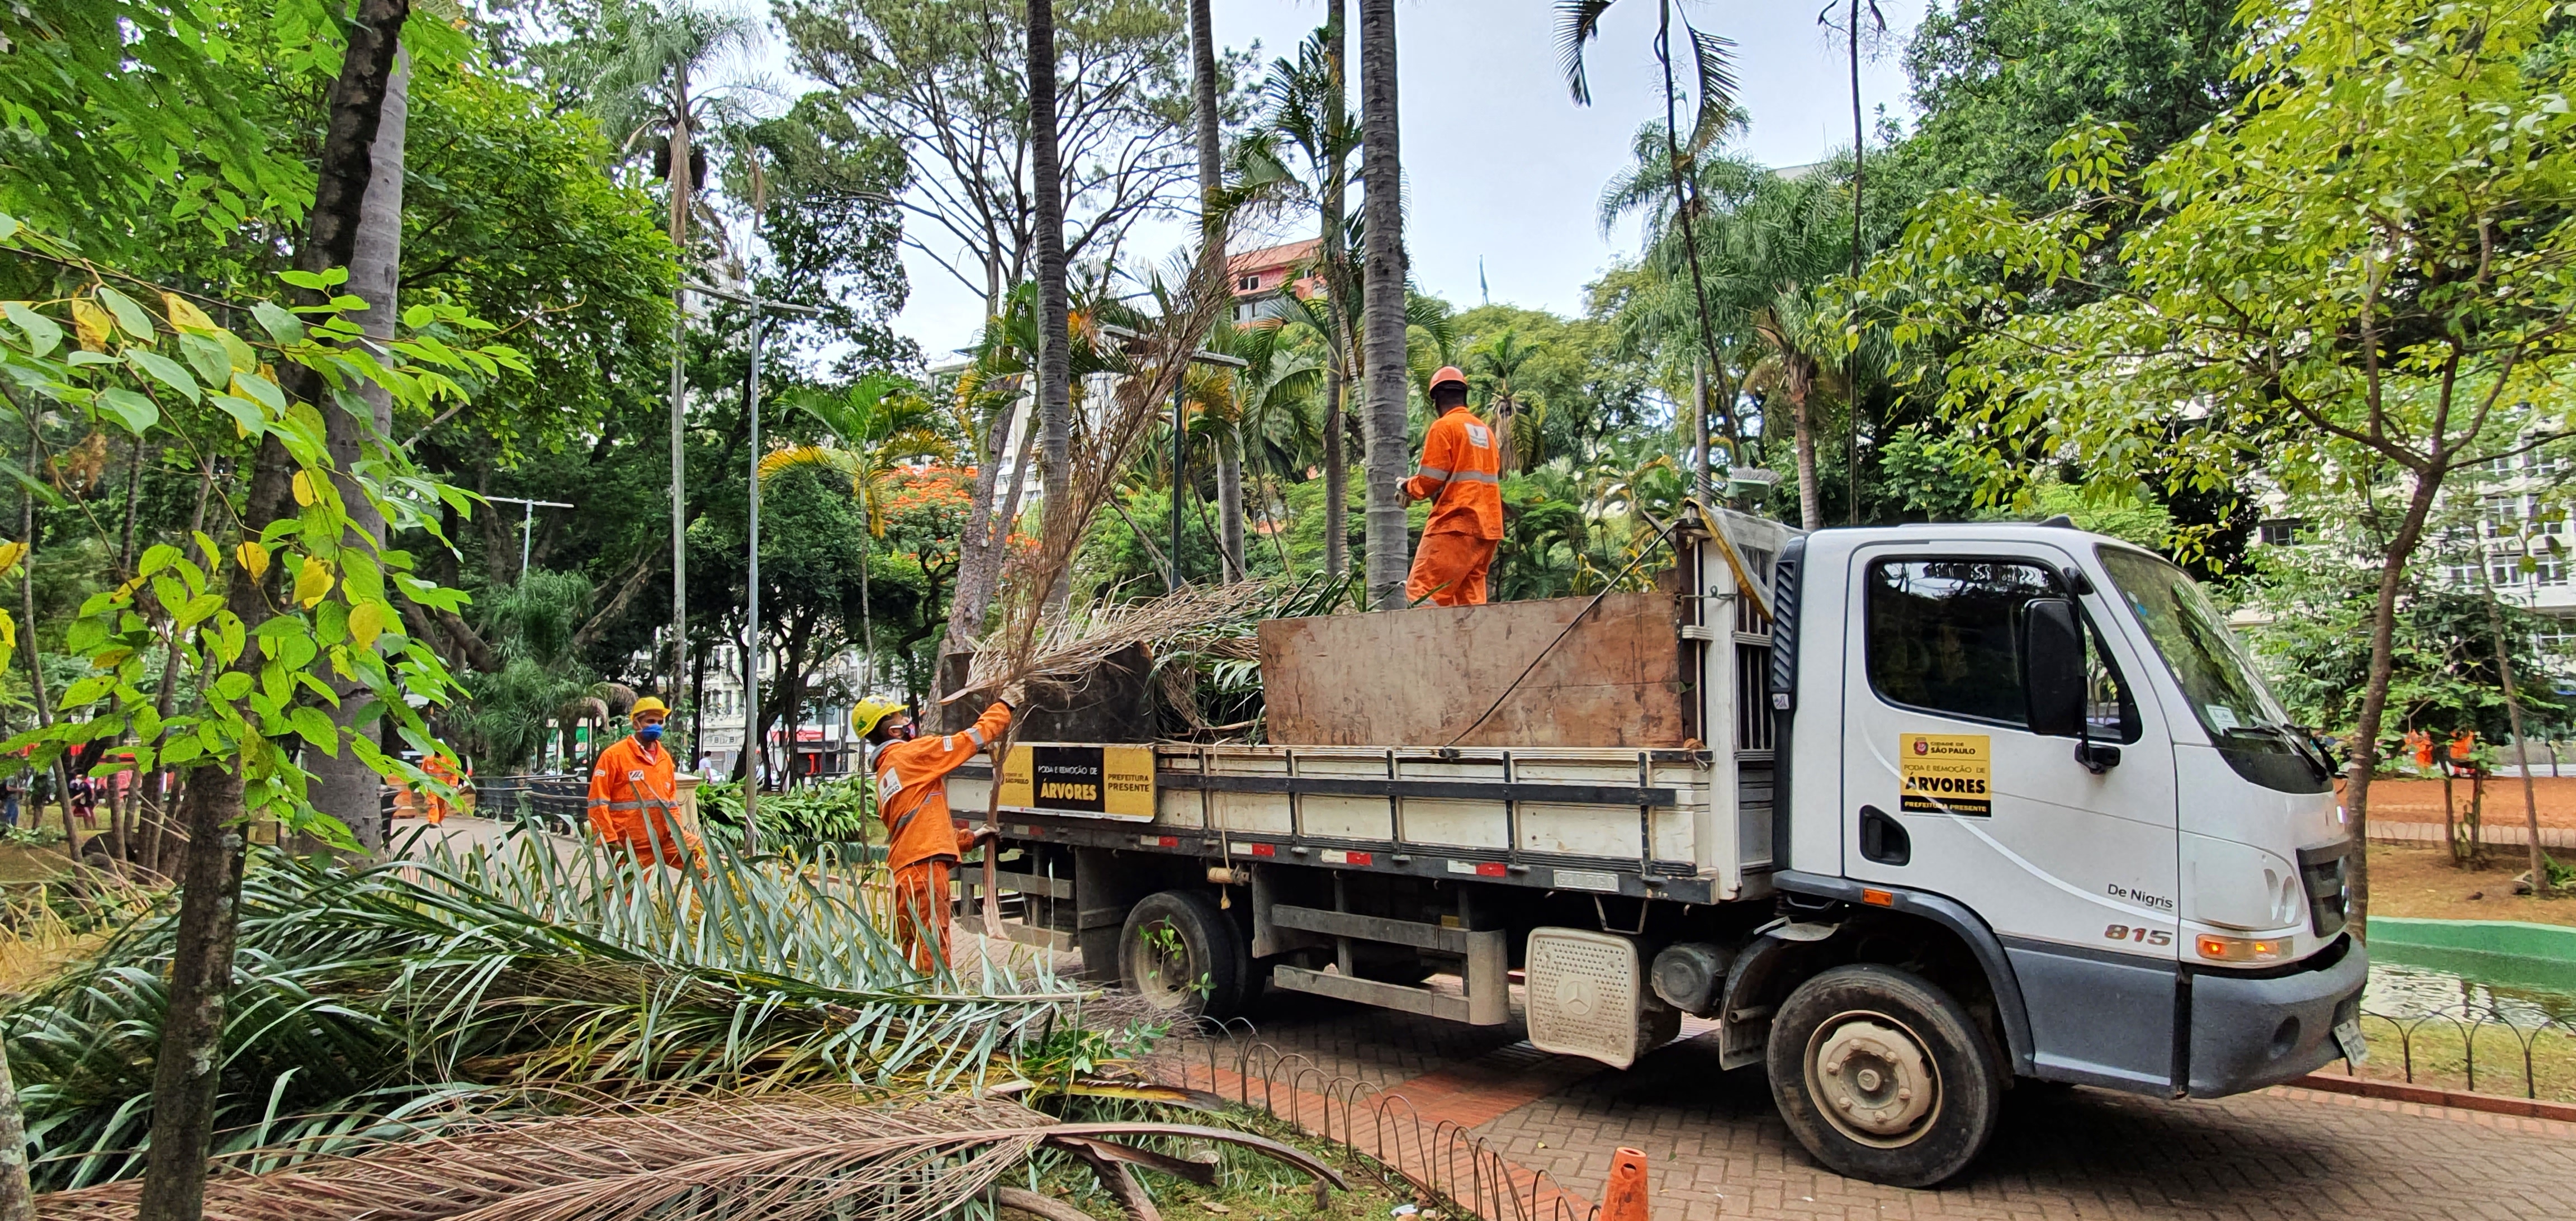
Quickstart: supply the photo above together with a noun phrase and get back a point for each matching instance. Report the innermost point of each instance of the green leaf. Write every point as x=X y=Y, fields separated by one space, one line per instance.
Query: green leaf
x=86 y=691
x=157 y=557
x=197 y=608
x=314 y=727
x=129 y=315
x=315 y=281
x=264 y=390
x=244 y=412
x=281 y=325
x=136 y=412
x=43 y=333
x=165 y=370
x=182 y=749
x=417 y=317
x=232 y=684
x=213 y=364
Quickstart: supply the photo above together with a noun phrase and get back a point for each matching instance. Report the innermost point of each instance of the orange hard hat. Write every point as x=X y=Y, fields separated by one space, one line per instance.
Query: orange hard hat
x=1446 y=375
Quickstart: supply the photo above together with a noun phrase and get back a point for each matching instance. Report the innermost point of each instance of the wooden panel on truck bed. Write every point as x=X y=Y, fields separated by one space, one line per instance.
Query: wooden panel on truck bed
x=1420 y=677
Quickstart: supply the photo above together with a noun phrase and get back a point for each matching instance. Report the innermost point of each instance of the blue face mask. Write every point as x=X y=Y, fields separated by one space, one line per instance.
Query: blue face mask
x=650 y=733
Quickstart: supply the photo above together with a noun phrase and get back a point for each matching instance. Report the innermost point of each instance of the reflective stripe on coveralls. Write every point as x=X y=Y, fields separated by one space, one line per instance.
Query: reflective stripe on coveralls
x=633 y=800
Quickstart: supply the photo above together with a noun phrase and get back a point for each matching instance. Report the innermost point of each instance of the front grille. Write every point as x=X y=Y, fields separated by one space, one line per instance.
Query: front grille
x=2321 y=873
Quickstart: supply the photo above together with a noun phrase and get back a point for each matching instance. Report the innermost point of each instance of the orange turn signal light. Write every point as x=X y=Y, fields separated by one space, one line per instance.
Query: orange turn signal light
x=1877 y=898
x=2240 y=949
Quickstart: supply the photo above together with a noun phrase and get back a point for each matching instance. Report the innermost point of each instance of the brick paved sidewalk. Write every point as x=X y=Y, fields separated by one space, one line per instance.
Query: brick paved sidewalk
x=1717 y=1150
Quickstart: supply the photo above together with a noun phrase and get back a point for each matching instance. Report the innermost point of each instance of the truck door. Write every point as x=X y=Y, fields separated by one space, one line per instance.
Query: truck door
x=1946 y=790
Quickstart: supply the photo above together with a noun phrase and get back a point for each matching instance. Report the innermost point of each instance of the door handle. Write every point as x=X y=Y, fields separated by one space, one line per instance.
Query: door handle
x=1883 y=839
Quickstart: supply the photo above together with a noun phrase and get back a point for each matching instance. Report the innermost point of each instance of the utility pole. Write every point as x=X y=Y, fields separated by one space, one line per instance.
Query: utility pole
x=527 y=524
x=753 y=748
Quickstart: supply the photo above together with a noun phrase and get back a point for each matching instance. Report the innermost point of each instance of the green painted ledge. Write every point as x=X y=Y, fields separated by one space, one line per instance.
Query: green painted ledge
x=2508 y=953
x=2549 y=942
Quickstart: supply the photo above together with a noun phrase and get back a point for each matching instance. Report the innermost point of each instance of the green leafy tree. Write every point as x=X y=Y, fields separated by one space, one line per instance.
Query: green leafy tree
x=2366 y=266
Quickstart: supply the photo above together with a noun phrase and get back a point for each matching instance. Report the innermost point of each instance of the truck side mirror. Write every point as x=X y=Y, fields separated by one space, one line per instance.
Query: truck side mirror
x=2052 y=667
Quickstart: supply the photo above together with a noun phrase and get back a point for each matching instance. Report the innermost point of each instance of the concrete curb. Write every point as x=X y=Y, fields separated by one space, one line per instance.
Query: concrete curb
x=2425 y=1095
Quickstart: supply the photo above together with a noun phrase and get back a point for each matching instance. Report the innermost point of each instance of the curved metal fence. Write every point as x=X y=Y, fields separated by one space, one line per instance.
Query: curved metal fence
x=2521 y=1035
x=1440 y=1156
x=557 y=802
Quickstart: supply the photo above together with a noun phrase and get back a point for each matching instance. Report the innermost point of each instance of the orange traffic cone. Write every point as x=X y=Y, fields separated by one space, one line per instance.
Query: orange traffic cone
x=1625 y=1198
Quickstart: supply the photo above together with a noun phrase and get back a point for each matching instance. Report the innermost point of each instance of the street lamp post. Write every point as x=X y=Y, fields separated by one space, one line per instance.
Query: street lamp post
x=1180 y=436
x=751 y=744
x=527 y=524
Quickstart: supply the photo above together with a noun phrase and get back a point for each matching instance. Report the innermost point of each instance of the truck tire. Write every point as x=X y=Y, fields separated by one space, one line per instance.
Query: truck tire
x=1883 y=1076
x=1181 y=953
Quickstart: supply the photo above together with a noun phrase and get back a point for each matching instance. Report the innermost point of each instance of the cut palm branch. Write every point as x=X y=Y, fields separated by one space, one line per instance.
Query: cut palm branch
x=406 y=997
x=807 y=1155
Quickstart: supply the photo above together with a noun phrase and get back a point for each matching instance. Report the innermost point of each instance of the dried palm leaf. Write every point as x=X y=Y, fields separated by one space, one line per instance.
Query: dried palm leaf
x=783 y=1158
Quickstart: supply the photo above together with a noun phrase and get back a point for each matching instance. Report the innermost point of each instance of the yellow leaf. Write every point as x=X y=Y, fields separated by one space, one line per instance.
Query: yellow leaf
x=185 y=316
x=90 y=321
x=8 y=638
x=312 y=581
x=366 y=622
x=254 y=559
x=303 y=489
x=10 y=554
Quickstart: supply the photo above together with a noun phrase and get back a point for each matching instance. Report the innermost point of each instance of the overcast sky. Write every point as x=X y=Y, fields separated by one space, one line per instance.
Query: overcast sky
x=1502 y=166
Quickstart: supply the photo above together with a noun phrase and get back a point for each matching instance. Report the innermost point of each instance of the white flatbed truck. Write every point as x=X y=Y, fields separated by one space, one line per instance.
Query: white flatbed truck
x=1914 y=813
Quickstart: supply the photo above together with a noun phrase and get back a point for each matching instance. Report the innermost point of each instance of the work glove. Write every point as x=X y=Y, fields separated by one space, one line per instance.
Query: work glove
x=1016 y=695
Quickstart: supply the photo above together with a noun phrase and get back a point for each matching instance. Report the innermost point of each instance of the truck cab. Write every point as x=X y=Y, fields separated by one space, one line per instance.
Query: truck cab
x=1913 y=813
x=2048 y=743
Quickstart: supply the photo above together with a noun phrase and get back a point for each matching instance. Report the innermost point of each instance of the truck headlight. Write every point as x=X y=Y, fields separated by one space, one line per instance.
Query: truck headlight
x=2240 y=949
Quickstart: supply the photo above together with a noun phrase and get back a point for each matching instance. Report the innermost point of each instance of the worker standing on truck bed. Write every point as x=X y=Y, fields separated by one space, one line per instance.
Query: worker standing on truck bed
x=1462 y=476
x=635 y=797
x=922 y=841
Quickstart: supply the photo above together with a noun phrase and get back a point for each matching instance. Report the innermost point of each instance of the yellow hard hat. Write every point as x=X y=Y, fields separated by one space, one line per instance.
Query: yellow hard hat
x=866 y=715
x=648 y=704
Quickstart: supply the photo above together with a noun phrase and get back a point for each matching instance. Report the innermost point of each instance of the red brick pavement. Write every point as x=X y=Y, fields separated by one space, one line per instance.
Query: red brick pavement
x=1717 y=1151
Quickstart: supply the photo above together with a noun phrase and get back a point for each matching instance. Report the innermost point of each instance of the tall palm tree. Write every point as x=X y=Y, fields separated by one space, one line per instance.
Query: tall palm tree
x=879 y=423
x=1046 y=171
x=1578 y=23
x=1383 y=296
x=640 y=87
x=1308 y=108
x=1500 y=359
x=1779 y=249
x=1229 y=451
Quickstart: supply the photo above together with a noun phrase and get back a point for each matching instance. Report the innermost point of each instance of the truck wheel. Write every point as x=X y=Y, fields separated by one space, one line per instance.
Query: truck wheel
x=1883 y=1077
x=1181 y=953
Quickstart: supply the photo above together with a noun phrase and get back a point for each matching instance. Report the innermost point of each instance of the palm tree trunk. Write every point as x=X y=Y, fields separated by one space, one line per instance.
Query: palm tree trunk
x=1055 y=358
x=1811 y=513
x=1229 y=451
x=345 y=787
x=1337 y=286
x=1382 y=181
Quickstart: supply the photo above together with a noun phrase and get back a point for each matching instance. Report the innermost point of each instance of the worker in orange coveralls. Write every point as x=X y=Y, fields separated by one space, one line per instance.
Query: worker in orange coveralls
x=923 y=842
x=439 y=770
x=635 y=797
x=1462 y=476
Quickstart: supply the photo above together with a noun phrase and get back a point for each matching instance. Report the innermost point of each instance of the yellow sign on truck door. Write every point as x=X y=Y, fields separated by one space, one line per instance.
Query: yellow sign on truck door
x=1945 y=773
x=1117 y=781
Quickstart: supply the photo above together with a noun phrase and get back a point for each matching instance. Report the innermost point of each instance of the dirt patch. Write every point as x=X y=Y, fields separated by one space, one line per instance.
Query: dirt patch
x=2422 y=883
x=2421 y=800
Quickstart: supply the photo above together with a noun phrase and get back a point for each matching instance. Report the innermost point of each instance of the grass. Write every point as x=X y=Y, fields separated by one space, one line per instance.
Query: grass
x=2420 y=882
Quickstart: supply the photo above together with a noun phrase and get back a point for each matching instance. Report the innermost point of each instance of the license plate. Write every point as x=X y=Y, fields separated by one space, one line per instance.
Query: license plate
x=2347 y=1035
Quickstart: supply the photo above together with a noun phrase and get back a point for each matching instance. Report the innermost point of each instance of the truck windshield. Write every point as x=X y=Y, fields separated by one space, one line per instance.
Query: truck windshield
x=2217 y=678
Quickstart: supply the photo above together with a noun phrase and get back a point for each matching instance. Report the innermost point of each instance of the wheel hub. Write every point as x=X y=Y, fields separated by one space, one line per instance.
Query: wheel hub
x=1872 y=1078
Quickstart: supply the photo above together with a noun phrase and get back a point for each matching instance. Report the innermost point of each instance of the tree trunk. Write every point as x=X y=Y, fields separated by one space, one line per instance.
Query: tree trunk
x=2374 y=693
x=35 y=651
x=1229 y=449
x=189 y=1059
x=1337 y=288
x=683 y=190
x=1811 y=513
x=344 y=787
x=1055 y=360
x=17 y=1200
x=1382 y=181
x=988 y=533
x=2521 y=747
